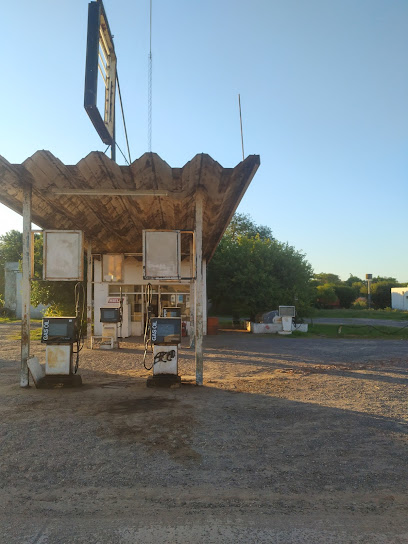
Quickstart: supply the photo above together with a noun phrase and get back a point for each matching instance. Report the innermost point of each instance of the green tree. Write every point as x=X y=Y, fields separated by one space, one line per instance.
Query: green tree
x=346 y=295
x=381 y=293
x=352 y=279
x=326 y=295
x=11 y=250
x=249 y=274
x=388 y=279
x=324 y=278
x=11 y=247
x=242 y=225
x=59 y=295
x=360 y=288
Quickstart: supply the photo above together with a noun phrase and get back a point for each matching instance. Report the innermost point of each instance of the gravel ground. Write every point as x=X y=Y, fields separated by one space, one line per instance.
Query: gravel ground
x=290 y=440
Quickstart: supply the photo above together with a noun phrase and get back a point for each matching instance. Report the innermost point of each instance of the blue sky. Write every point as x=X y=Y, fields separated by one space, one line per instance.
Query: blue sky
x=324 y=93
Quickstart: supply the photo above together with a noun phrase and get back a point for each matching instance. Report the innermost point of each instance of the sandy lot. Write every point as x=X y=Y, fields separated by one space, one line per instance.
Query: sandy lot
x=290 y=440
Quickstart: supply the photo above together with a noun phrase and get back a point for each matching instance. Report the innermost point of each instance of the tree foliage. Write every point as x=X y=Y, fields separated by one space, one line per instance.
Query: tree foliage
x=242 y=225
x=326 y=295
x=324 y=278
x=346 y=295
x=352 y=279
x=58 y=295
x=11 y=250
x=251 y=272
x=11 y=247
x=381 y=293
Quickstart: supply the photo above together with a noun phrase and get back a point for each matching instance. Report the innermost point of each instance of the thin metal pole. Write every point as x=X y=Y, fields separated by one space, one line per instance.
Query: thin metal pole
x=199 y=291
x=113 y=145
x=26 y=287
x=240 y=120
x=192 y=295
x=192 y=314
x=369 y=294
x=89 y=294
x=150 y=87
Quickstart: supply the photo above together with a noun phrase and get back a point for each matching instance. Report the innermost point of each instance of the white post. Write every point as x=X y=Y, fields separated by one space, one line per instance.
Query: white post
x=192 y=296
x=199 y=291
x=89 y=294
x=26 y=287
x=192 y=313
x=204 y=297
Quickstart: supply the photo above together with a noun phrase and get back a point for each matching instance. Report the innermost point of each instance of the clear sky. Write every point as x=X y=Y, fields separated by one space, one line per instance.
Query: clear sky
x=324 y=94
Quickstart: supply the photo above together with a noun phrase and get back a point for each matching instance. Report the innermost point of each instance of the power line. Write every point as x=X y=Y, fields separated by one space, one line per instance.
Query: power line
x=117 y=145
x=123 y=117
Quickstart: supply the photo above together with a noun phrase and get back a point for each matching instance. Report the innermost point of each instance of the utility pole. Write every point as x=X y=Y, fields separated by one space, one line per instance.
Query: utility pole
x=369 y=277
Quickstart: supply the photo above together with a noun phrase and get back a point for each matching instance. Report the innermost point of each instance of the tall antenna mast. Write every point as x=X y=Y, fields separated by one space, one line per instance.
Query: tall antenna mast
x=242 y=133
x=149 y=91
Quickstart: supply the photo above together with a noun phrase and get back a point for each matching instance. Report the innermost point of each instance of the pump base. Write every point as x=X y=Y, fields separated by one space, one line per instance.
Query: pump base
x=172 y=381
x=52 y=380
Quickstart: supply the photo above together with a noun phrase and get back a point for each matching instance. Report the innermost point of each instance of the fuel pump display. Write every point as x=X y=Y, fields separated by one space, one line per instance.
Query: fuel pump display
x=166 y=330
x=59 y=330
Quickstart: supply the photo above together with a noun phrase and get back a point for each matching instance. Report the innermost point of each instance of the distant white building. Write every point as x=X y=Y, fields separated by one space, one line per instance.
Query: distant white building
x=12 y=292
x=399 y=298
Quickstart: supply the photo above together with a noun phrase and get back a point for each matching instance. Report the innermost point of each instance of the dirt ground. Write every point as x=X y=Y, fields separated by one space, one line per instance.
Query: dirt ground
x=289 y=441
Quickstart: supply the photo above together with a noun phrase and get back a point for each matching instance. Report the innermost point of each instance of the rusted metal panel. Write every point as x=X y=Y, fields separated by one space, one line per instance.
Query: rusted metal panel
x=161 y=254
x=58 y=359
x=63 y=255
x=165 y=364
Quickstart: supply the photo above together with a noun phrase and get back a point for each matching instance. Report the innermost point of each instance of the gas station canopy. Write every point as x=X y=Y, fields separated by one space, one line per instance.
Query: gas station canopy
x=112 y=204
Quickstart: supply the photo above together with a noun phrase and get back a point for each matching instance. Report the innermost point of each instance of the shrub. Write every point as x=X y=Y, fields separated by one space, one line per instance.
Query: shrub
x=360 y=304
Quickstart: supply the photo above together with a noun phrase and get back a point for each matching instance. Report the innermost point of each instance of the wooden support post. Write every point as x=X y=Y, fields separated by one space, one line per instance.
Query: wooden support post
x=199 y=291
x=89 y=273
x=26 y=287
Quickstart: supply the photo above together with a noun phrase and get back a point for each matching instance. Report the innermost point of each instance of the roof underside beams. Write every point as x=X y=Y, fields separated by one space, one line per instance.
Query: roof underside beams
x=113 y=222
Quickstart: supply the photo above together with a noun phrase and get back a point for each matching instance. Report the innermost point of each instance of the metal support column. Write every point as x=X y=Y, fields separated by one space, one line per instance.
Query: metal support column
x=199 y=291
x=89 y=294
x=205 y=315
x=192 y=297
x=192 y=313
x=26 y=287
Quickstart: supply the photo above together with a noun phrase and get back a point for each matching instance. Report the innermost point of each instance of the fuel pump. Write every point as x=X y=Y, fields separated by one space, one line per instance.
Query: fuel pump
x=111 y=319
x=64 y=340
x=163 y=337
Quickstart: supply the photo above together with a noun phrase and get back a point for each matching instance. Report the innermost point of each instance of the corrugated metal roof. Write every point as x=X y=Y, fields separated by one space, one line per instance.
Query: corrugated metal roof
x=113 y=221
